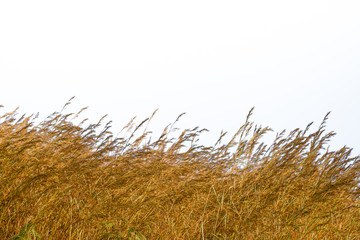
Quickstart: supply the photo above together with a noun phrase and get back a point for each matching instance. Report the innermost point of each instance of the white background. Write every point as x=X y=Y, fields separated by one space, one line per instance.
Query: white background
x=293 y=60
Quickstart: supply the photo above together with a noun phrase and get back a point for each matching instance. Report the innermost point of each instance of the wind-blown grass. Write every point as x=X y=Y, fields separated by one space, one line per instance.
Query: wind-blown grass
x=60 y=180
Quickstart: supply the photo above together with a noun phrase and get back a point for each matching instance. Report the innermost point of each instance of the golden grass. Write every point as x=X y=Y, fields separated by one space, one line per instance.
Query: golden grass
x=59 y=180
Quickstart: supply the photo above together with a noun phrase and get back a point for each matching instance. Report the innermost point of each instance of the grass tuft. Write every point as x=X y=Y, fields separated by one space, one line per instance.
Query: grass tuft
x=61 y=180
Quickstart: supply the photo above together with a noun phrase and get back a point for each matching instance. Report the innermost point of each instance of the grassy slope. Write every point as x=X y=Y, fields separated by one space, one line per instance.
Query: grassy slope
x=64 y=181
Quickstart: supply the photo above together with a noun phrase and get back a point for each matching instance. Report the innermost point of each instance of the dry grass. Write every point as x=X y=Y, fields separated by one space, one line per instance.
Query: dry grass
x=59 y=180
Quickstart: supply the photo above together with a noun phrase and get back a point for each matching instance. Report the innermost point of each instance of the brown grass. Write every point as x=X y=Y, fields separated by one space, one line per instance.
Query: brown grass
x=59 y=180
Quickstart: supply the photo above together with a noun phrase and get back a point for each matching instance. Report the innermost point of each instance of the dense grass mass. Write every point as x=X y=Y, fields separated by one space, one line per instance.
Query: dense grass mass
x=61 y=180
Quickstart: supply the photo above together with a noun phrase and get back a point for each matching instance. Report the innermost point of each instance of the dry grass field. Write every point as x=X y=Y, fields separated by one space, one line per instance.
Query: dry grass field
x=61 y=180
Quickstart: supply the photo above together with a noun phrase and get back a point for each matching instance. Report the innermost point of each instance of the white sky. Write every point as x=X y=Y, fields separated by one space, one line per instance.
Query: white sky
x=293 y=60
